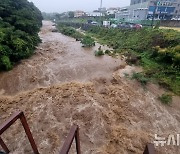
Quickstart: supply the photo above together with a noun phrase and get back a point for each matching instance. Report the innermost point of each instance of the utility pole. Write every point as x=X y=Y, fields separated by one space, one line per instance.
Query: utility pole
x=154 y=12
x=141 y=3
x=101 y=4
x=101 y=12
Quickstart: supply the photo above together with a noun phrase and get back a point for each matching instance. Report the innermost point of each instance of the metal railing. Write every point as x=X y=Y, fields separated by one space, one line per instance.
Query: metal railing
x=74 y=133
x=11 y=121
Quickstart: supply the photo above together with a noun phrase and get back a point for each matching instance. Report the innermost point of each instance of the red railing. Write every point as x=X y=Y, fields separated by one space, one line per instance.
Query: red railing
x=12 y=120
x=74 y=133
x=150 y=149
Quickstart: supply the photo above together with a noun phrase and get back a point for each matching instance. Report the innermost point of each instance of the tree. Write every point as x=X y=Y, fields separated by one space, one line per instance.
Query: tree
x=20 y=22
x=71 y=14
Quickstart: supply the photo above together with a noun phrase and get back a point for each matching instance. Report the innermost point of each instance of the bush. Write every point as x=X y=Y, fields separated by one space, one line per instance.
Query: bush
x=166 y=99
x=99 y=53
x=5 y=63
x=107 y=52
x=87 y=41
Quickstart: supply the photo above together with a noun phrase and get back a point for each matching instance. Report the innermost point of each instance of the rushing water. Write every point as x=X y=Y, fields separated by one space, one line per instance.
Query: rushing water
x=57 y=59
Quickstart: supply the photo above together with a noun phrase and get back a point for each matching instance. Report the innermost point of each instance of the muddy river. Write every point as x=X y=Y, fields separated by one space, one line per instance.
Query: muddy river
x=58 y=59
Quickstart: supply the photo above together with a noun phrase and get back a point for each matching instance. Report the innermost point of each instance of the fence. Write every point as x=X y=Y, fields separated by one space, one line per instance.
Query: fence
x=74 y=134
x=11 y=121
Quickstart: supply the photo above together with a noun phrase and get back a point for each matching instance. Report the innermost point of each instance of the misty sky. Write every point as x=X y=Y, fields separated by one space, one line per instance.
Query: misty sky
x=85 y=5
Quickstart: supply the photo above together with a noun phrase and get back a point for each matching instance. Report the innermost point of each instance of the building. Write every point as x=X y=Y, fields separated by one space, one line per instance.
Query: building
x=146 y=9
x=137 y=1
x=102 y=10
x=79 y=13
x=111 y=11
x=133 y=12
x=94 y=14
x=164 y=10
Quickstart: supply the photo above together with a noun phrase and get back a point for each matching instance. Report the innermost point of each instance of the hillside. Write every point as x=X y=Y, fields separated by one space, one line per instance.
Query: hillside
x=20 y=22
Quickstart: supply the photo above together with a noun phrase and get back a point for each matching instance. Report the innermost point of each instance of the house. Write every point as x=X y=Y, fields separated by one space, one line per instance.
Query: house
x=79 y=13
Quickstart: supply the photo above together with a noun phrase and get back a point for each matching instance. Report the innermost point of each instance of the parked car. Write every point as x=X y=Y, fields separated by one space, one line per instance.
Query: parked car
x=137 y=26
x=94 y=23
x=175 y=19
x=113 y=26
x=124 y=26
x=130 y=26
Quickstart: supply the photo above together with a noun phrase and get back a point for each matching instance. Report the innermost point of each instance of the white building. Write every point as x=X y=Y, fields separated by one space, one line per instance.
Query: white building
x=136 y=12
x=94 y=14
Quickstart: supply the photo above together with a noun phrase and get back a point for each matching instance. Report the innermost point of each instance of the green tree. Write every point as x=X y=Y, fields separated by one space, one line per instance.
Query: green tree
x=20 y=22
x=71 y=14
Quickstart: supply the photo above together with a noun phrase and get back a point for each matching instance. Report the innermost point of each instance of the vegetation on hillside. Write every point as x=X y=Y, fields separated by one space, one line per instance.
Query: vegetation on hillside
x=86 y=41
x=69 y=31
x=20 y=22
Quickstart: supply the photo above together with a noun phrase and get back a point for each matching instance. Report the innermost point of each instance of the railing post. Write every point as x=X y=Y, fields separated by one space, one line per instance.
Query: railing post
x=28 y=133
x=5 y=148
x=74 y=133
x=11 y=121
x=77 y=141
x=149 y=149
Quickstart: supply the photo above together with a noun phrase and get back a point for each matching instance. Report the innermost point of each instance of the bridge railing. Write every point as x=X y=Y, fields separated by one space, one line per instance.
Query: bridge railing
x=150 y=149
x=11 y=121
x=74 y=133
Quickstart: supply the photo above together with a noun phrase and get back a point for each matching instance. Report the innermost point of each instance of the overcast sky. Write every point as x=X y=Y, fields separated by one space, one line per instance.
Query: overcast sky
x=85 y=5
